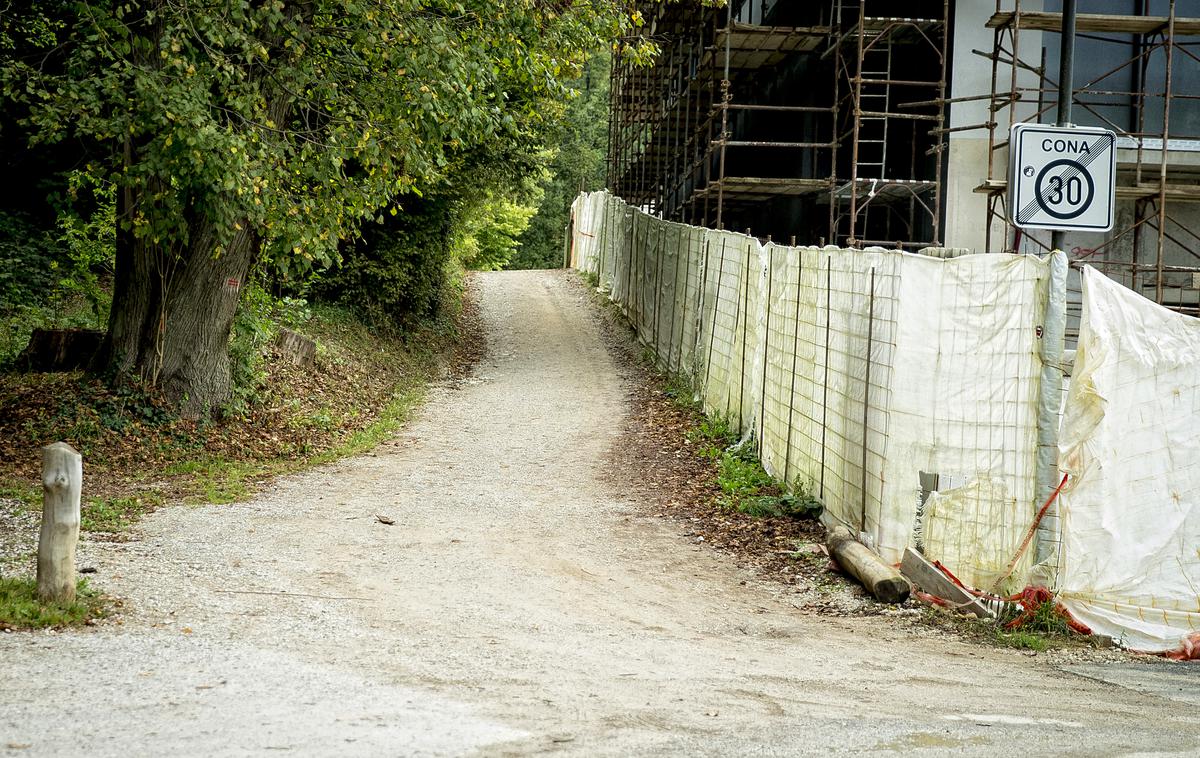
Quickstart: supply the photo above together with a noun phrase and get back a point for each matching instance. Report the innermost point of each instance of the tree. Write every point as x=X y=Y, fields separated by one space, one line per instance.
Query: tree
x=578 y=164
x=236 y=132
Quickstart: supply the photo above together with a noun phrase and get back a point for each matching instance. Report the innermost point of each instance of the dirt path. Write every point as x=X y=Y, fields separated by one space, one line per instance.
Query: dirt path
x=517 y=606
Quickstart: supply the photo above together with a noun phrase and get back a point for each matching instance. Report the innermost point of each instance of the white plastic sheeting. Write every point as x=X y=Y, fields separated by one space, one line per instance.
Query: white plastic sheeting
x=862 y=374
x=1130 y=443
x=965 y=404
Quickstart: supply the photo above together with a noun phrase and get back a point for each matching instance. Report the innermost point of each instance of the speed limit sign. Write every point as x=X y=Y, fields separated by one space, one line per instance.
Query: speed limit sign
x=1062 y=178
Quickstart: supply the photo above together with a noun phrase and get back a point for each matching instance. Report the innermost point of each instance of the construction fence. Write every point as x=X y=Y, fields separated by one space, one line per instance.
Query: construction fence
x=917 y=396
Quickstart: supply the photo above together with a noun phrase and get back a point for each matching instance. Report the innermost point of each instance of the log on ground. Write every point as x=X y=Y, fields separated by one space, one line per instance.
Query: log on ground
x=881 y=580
x=59 y=349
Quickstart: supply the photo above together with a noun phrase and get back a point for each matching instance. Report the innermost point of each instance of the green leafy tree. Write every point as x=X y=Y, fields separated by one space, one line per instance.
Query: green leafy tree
x=269 y=131
x=495 y=234
x=580 y=141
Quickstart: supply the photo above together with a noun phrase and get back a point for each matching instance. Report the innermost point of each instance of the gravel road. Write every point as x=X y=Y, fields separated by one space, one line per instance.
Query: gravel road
x=517 y=606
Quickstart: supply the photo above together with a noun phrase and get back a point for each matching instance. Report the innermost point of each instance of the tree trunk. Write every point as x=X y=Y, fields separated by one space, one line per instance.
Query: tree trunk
x=172 y=312
x=173 y=307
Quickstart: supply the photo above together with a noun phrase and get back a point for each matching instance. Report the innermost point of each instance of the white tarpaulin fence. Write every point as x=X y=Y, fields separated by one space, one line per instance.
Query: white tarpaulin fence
x=1131 y=445
x=916 y=396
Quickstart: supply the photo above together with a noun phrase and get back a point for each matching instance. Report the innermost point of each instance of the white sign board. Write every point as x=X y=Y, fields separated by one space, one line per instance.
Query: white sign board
x=1062 y=178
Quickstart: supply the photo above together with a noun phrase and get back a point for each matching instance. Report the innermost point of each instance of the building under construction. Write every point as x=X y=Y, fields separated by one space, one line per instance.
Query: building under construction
x=839 y=121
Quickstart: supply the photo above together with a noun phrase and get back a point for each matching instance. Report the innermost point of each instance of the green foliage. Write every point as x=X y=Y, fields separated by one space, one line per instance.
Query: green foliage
x=91 y=417
x=57 y=278
x=259 y=316
x=748 y=488
x=712 y=435
x=21 y=609
x=300 y=122
x=289 y=134
x=87 y=227
x=1022 y=640
x=1044 y=619
x=397 y=273
x=116 y=514
x=799 y=505
x=578 y=150
x=27 y=256
x=217 y=480
x=740 y=475
x=492 y=234
x=681 y=390
x=253 y=328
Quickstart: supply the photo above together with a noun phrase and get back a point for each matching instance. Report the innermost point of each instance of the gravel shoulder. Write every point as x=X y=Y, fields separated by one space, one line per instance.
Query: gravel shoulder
x=520 y=604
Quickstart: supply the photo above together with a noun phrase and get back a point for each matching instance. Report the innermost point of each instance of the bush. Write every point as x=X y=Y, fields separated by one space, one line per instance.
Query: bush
x=57 y=277
x=28 y=258
x=396 y=273
x=253 y=328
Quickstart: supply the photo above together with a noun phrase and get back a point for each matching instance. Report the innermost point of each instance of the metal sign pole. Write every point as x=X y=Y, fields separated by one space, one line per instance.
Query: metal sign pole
x=1066 y=78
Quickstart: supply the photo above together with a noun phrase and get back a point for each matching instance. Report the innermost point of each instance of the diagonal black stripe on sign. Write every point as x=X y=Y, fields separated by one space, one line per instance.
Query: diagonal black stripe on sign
x=1094 y=152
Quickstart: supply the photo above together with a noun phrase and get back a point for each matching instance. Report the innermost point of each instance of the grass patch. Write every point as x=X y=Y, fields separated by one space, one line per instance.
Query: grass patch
x=748 y=488
x=1043 y=619
x=682 y=392
x=1041 y=630
x=1022 y=640
x=394 y=416
x=26 y=495
x=115 y=514
x=741 y=476
x=711 y=435
x=21 y=609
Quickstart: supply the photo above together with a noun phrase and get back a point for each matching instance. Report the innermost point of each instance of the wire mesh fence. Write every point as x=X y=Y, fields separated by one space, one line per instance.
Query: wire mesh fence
x=919 y=398
x=900 y=390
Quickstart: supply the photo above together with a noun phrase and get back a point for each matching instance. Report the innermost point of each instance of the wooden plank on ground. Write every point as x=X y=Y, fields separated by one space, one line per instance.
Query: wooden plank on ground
x=931 y=580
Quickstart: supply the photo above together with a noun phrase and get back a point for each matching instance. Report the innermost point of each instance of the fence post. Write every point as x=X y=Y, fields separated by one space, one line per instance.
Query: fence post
x=762 y=399
x=687 y=271
x=744 y=318
x=787 y=460
x=867 y=399
x=629 y=264
x=825 y=380
x=600 y=242
x=660 y=244
x=62 y=483
x=701 y=300
x=1054 y=329
x=713 y=328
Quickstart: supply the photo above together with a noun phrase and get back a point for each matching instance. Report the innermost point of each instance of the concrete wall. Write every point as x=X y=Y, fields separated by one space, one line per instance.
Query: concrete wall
x=967 y=160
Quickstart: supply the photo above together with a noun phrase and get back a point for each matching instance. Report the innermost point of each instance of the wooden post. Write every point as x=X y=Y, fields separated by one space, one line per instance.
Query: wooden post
x=62 y=481
x=880 y=579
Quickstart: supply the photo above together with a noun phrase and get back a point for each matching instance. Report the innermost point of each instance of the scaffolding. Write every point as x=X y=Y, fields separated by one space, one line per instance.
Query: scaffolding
x=822 y=121
x=1153 y=246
